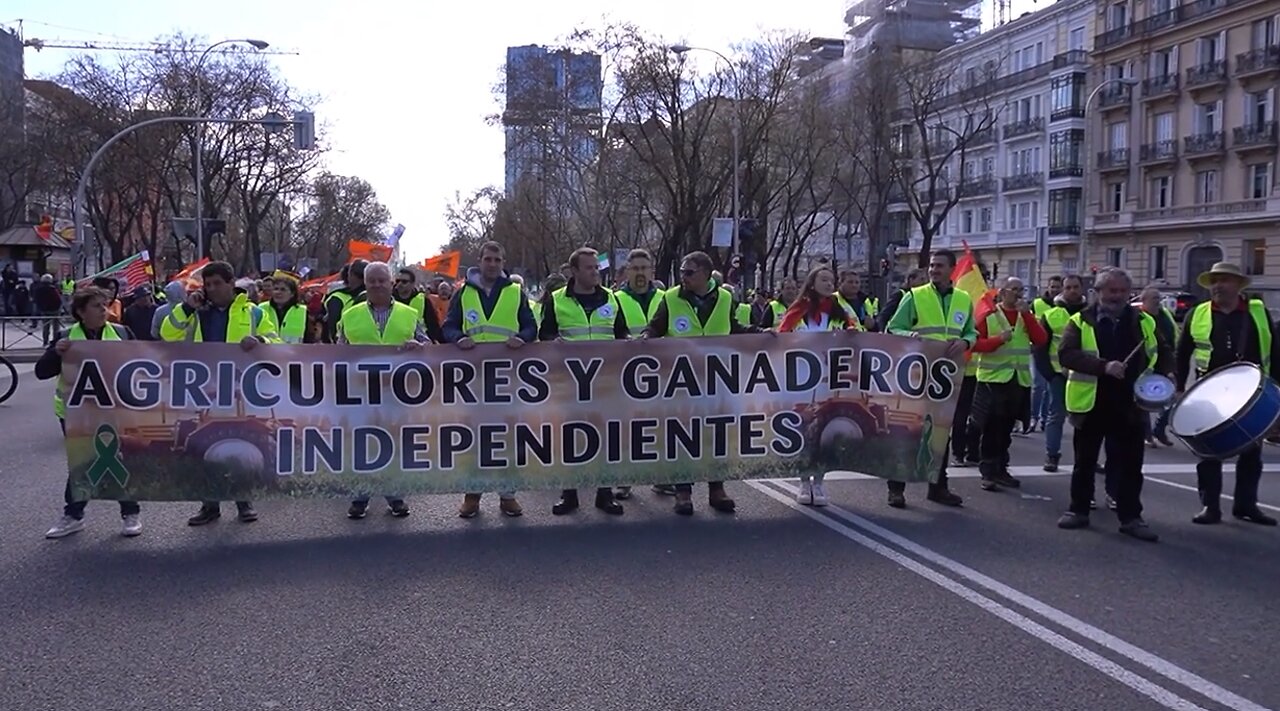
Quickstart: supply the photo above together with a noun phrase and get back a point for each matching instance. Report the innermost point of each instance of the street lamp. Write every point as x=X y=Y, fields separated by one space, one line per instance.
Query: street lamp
x=682 y=49
x=199 y=84
x=1084 y=192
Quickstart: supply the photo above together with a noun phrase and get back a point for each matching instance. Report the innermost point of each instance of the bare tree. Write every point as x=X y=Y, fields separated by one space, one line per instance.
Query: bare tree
x=341 y=208
x=470 y=220
x=941 y=125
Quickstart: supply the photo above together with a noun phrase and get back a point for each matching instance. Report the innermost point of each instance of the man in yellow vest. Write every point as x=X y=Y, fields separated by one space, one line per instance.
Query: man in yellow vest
x=216 y=313
x=584 y=311
x=490 y=308
x=935 y=311
x=1006 y=335
x=778 y=306
x=1054 y=322
x=1040 y=390
x=694 y=309
x=1229 y=328
x=857 y=304
x=639 y=297
x=89 y=309
x=341 y=299
x=380 y=320
x=408 y=293
x=68 y=290
x=1105 y=348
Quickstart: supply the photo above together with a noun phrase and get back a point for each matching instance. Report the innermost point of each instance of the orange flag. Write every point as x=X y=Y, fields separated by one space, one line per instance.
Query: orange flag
x=190 y=274
x=368 y=251
x=967 y=277
x=446 y=264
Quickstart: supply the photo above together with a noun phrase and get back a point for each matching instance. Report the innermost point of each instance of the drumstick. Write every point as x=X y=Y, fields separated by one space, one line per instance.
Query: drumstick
x=1136 y=350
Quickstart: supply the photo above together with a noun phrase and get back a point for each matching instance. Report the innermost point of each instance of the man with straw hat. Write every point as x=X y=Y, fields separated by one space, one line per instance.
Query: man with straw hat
x=1228 y=328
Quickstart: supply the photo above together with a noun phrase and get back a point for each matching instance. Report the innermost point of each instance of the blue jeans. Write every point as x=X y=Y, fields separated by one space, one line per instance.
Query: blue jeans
x=1057 y=414
x=1039 y=396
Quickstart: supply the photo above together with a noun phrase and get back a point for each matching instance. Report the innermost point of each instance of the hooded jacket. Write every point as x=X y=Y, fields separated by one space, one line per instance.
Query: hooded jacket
x=452 y=327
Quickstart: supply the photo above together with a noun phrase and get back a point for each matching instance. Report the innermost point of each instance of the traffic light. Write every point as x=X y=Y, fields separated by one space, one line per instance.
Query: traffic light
x=304 y=130
x=884 y=267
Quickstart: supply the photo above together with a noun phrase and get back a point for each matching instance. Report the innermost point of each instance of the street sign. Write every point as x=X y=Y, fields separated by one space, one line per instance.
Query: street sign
x=722 y=232
x=858 y=257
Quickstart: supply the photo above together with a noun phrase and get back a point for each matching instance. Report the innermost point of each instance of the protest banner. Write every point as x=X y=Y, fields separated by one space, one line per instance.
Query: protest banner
x=179 y=421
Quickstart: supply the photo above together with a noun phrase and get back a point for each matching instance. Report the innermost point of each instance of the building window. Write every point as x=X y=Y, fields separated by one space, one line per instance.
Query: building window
x=1163 y=64
x=1070 y=265
x=1065 y=148
x=1162 y=126
x=1260 y=181
x=1115 y=256
x=1118 y=135
x=1115 y=197
x=1155 y=262
x=1067 y=96
x=1161 y=191
x=966 y=222
x=1027 y=108
x=1075 y=40
x=1024 y=161
x=1208 y=49
x=1208 y=117
x=1257 y=107
x=1117 y=15
x=988 y=166
x=1023 y=215
x=1064 y=211
x=984 y=219
x=1264 y=33
x=1206 y=187
x=1255 y=256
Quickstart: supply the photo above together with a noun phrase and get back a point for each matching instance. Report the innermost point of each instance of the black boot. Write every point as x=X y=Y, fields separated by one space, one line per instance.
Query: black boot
x=567 y=504
x=209 y=512
x=1208 y=515
x=605 y=502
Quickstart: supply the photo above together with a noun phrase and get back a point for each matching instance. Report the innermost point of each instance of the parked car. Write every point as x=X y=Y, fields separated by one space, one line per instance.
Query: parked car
x=1179 y=302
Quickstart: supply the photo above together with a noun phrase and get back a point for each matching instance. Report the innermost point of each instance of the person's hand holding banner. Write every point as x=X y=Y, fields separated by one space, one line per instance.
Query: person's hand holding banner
x=62 y=346
x=248 y=343
x=465 y=343
x=410 y=346
x=956 y=348
x=515 y=342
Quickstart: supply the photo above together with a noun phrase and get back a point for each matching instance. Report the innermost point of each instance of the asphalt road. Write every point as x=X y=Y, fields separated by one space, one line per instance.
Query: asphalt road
x=856 y=606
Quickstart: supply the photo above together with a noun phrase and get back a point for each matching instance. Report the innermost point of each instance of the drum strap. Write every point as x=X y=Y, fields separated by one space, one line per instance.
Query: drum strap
x=1239 y=344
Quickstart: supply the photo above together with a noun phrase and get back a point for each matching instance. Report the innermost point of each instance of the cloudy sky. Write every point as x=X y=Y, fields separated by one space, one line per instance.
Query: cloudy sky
x=406 y=86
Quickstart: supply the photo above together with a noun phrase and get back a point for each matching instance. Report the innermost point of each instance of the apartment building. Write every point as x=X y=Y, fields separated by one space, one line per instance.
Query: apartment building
x=1022 y=183
x=1185 y=161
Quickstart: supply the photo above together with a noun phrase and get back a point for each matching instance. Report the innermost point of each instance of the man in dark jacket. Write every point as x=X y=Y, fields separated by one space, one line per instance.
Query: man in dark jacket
x=335 y=303
x=140 y=315
x=915 y=277
x=48 y=303
x=1107 y=346
x=1067 y=304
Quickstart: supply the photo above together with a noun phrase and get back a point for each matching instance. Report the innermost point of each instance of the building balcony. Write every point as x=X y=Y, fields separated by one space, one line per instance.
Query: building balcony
x=1114 y=159
x=1204 y=144
x=977 y=187
x=1025 y=127
x=1069 y=112
x=1022 y=181
x=1159 y=21
x=982 y=138
x=1064 y=229
x=1254 y=137
x=1159 y=87
x=1111 y=38
x=1115 y=95
x=1014 y=238
x=1158 y=152
x=1207 y=75
x=939 y=146
x=1195 y=212
x=1065 y=171
x=1072 y=58
x=1263 y=60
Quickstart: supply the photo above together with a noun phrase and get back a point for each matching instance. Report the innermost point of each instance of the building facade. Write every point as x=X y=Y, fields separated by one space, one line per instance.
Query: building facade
x=1186 y=150
x=1022 y=182
x=552 y=116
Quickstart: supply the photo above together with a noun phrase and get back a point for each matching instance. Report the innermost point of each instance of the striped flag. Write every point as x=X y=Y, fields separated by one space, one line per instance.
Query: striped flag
x=134 y=272
x=968 y=278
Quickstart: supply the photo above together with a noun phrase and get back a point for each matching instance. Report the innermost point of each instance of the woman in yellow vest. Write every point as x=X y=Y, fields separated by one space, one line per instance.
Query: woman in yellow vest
x=89 y=309
x=284 y=314
x=817 y=309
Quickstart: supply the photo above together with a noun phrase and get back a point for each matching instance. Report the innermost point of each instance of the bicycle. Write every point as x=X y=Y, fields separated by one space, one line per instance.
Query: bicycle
x=6 y=391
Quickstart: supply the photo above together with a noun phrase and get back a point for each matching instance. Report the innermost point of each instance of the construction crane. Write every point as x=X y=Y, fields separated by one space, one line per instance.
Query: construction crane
x=157 y=47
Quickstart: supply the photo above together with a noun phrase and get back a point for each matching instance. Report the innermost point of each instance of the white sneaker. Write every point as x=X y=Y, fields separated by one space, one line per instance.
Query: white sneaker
x=64 y=527
x=132 y=526
x=819 y=494
x=805 y=496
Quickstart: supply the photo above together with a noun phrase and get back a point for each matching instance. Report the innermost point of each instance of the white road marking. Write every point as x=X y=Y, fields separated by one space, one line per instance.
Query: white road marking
x=1150 y=689
x=1184 y=487
x=1032 y=471
x=1147 y=659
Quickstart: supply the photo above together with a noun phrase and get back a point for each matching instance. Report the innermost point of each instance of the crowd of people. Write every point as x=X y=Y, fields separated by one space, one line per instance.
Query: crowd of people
x=1029 y=362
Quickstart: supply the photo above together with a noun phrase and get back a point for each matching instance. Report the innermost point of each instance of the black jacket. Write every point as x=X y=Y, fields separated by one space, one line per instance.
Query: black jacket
x=1115 y=342
x=1225 y=334
x=885 y=315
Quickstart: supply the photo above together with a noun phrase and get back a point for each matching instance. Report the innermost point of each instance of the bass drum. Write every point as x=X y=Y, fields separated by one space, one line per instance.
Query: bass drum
x=1227 y=411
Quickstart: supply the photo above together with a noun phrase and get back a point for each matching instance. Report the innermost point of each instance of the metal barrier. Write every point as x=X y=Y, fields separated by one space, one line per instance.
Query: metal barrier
x=28 y=332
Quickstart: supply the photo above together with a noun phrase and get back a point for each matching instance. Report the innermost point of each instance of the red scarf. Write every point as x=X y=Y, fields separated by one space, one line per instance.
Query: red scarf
x=803 y=308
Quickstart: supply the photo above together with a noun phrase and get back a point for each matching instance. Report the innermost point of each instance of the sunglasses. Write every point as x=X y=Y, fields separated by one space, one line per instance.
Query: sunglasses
x=403 y=281
x=688 y=272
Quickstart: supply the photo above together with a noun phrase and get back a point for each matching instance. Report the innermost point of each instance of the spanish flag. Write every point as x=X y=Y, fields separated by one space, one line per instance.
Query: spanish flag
x=968 y=278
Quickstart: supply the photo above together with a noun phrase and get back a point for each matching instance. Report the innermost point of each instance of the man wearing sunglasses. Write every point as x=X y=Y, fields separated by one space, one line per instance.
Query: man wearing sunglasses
x=697 y=308
x=407 y=293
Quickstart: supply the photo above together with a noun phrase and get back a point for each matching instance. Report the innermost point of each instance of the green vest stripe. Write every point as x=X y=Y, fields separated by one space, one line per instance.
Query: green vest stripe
x=572 y=320
x=360 y=329
x=1011 y=359
x=638 y=318
x=498 y=326
x=294 y=327
x=682 y=319
x=931 y=323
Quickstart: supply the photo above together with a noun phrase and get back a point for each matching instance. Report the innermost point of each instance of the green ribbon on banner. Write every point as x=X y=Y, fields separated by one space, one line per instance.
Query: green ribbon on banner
x=924 y=455
x=106 y=448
